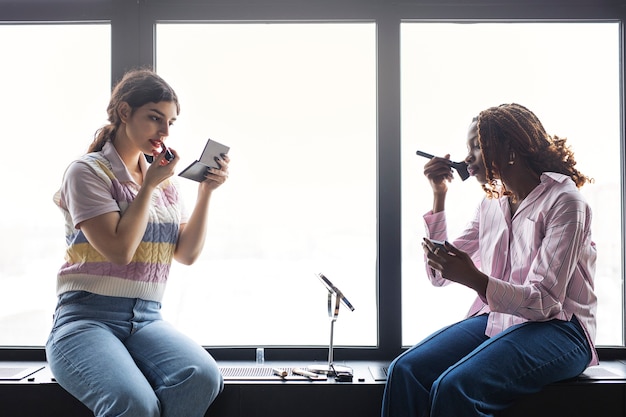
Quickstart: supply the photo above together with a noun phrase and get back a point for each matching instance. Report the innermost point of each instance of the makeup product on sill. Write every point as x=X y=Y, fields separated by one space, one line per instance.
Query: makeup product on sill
x=310 y=375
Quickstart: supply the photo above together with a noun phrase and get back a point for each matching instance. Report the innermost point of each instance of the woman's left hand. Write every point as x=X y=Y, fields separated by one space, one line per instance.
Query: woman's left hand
x=216 y=177
x=455 y=265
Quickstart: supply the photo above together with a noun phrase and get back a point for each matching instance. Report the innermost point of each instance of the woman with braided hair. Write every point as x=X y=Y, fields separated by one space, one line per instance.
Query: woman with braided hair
x=125 y=223
x=529 y=256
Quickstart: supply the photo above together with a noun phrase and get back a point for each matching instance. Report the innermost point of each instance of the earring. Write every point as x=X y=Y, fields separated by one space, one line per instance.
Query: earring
x=512 y=158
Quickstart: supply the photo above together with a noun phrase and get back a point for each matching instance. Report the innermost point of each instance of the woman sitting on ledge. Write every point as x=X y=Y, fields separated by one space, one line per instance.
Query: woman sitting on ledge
x=529 y=256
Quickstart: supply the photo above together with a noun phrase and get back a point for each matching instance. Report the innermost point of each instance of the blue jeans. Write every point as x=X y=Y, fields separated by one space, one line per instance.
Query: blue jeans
x=460 y=372
x=119 y=358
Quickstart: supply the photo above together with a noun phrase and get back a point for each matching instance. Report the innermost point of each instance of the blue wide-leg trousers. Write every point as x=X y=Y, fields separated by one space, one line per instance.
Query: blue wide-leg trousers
x=460 y=372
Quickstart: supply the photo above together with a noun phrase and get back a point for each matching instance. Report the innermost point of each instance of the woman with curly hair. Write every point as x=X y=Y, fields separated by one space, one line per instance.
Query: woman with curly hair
x=528 y=254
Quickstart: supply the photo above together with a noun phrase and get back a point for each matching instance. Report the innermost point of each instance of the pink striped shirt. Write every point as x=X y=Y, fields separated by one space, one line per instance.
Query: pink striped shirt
x=540 y=262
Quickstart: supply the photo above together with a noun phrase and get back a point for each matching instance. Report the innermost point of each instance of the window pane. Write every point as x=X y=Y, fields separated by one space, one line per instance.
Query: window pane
x=296 y=103
x=568 y=74
x=56 y=85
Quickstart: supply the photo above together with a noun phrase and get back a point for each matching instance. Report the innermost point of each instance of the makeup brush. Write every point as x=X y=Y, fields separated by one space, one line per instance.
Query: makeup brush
x=461 y=167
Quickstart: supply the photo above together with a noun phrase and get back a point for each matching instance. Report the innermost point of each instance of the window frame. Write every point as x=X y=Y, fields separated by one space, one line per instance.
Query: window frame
x=133 y=44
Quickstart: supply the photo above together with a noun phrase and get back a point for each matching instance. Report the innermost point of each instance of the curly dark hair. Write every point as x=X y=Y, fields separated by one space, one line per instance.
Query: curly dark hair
x=513 y=127
x=137 y=87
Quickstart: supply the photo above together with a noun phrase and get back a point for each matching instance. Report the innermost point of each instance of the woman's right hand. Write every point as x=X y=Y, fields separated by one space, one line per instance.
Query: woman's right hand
x=439 y=173
x=160 y=169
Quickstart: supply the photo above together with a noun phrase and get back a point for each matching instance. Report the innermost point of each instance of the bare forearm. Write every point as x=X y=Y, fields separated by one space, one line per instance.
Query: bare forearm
x=192 y=237
x=439 y=202
x=133 y=223
x=116 y=236
x=478 y=282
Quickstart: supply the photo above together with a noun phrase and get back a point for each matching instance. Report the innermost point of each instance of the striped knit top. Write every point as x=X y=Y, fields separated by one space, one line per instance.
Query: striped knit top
x=99 y=183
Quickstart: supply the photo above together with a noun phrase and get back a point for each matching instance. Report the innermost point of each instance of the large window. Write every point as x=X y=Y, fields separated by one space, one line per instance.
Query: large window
x=297 y=105
x=323 y=106
x=568 y=74
x=55 y=86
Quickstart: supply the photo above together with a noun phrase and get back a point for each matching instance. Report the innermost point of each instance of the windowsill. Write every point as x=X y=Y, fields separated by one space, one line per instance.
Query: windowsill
x=310 y=398
x=364 y=373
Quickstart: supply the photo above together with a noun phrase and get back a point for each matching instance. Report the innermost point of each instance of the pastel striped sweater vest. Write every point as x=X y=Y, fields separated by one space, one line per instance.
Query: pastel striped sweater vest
x=145 y=276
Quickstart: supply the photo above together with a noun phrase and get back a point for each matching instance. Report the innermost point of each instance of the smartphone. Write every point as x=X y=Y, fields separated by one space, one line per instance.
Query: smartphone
x=438 y=244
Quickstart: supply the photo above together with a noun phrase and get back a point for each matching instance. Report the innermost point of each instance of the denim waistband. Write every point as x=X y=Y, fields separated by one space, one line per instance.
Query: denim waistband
x=125 y=314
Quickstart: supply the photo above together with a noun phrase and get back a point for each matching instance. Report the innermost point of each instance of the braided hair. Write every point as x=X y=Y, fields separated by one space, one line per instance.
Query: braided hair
x=137 y=87
x=514 y=128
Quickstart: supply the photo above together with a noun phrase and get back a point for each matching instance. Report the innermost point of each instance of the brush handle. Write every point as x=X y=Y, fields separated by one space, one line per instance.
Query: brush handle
x=429 y=156
x=425 y=155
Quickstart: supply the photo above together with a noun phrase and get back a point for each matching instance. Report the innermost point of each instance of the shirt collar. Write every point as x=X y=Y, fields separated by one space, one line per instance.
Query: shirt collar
x=554 y=176
x=547 y=180
x=117 y=165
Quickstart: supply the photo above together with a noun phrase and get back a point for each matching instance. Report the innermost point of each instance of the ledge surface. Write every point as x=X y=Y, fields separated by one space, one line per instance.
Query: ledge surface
x=599 y=391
